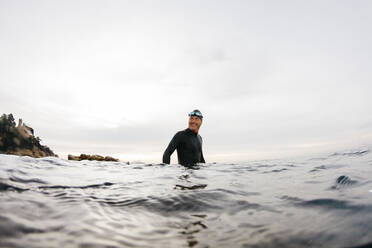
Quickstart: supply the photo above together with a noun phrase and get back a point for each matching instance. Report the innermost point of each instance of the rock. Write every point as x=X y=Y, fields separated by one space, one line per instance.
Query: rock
x=91 y=157
x=20 y=140
x=71 y=157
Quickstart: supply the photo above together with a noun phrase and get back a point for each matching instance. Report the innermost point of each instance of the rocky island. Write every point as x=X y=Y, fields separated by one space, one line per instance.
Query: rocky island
x=92 y=157
x=20 y=139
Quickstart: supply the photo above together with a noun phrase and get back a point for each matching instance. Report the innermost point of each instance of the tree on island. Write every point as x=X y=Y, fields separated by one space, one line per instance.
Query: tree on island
x=19 y=140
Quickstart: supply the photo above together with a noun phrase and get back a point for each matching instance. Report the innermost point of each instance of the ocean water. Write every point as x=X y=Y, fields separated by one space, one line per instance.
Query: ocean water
x=317 y=202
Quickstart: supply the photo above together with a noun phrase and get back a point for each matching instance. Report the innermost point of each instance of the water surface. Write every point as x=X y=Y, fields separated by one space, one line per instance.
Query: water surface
x=318 y=202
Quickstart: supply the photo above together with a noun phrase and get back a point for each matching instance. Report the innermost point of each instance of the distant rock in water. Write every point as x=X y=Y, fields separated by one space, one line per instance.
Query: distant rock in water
x=20 y=139
x=92 y=157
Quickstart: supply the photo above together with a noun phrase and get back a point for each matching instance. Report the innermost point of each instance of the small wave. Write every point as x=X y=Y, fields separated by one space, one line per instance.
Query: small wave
x=326 y=203
x=125 y=203
x=266 y=165
x=249 y=225
x=291 y=198
x=318 y=159
x=353 y=153
x=333 y=204
x=5 y=187
x=237 y=192
x=318 y=168
x=16 y=171
x=22 y=180
x=242 y=205
x=197 y=186
x=76 y=187
x=9 y=228
x=275 y=170
x=54 y=161
x=188 y=202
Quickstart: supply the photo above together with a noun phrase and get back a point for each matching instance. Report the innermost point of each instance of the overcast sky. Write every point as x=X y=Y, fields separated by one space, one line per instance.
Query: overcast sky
x=273 y=78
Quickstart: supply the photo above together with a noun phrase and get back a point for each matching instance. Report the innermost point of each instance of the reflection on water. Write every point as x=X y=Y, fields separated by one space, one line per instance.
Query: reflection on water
x=318 y=202
x=195 y=226
x=191 y=228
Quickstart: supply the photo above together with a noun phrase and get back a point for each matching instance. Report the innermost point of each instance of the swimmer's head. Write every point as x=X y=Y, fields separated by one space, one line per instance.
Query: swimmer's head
x=195 y=120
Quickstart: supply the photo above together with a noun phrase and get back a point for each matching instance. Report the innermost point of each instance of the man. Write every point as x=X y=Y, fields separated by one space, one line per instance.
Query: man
x=187 y=142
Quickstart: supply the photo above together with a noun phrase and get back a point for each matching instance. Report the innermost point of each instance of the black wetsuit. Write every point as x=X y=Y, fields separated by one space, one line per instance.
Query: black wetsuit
x=189 y=148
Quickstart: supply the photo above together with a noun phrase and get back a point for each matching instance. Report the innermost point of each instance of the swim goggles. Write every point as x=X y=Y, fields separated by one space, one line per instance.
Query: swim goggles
x=198 y=114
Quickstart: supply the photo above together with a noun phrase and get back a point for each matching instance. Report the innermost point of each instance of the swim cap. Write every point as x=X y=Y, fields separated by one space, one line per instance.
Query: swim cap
x=197 y=113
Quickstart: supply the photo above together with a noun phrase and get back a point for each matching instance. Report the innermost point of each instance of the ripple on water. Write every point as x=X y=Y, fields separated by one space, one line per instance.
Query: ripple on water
x=26 y=180
x=5 y=187
x=96 y=204
x=10 y=228
x=334 y=204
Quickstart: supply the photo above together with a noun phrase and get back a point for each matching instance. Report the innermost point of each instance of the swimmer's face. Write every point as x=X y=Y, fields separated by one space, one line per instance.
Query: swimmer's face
x=194 y=123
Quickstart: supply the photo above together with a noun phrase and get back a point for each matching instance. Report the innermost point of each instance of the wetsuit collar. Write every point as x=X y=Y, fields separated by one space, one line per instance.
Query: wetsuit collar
x=191 y=131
